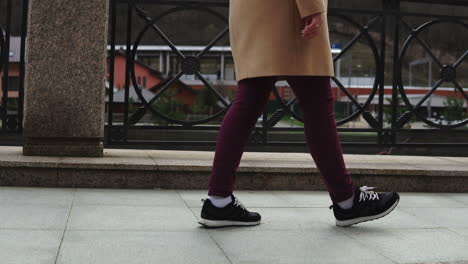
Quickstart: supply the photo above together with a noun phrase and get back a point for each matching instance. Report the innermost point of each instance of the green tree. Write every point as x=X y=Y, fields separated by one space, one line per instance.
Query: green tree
x=205 y=102
x=169 y=105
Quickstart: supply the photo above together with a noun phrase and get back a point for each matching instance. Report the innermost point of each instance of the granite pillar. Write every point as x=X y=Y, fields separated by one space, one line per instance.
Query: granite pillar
x=65 y=78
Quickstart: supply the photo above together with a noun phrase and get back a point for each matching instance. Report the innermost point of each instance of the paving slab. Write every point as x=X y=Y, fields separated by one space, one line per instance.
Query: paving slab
x=398 y=219
x=305 y=198
x=460 y=197
x=110 y=247
x=32 y=216
x=318 y=246
x=38 y=196
x=115 y=218
x=160 y=226
x=29 y=246
x=413 y=245
x=448 y=217
x=460 y=230
x=412 y=199
x=136 y=197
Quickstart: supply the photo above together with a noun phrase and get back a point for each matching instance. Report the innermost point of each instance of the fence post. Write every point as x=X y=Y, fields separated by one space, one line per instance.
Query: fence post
x=394 y=7
x=65 y=78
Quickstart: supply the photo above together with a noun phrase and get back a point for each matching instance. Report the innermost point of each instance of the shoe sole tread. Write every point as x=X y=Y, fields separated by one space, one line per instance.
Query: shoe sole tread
x=224 y=223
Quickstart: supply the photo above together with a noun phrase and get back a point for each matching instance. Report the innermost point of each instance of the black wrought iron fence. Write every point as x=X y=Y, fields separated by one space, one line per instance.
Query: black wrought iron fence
x=12 y=40
x=387 y=96
x=170 y=81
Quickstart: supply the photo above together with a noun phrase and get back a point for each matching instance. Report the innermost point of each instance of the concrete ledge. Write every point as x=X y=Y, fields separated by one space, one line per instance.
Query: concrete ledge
x=258 y=170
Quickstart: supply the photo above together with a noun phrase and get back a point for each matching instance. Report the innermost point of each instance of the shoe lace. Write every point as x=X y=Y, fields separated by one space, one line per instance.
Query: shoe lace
x=238 y=203
x=367 y=193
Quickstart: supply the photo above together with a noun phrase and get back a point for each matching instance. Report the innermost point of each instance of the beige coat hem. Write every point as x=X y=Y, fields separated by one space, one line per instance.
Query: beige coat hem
x=266 y=39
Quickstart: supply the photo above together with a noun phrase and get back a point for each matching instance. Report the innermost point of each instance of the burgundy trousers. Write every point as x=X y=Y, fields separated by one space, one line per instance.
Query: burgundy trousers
x=315 y=99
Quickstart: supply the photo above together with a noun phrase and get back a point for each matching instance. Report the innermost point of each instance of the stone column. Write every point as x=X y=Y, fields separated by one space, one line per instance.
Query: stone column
x=65 y=78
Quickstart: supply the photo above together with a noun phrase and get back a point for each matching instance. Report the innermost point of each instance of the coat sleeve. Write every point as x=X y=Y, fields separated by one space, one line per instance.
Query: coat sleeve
x=310 y=7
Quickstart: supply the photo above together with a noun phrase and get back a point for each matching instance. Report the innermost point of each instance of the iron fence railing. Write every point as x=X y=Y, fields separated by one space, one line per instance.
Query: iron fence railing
x=12 y=92
x=388 y=34
x=389 y=22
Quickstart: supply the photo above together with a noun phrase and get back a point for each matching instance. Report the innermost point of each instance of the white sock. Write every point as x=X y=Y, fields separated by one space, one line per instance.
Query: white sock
x=347 y=204
x=220 y=201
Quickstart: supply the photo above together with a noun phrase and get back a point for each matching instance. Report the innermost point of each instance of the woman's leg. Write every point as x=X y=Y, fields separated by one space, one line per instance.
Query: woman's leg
x=239 y=121
x=316 y=101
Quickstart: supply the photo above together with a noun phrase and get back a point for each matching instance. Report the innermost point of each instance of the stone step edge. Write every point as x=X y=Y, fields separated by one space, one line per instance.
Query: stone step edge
x=198 y=180
x=242 y=168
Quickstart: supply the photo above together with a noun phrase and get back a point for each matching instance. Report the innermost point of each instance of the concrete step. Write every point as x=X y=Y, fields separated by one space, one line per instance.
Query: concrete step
x=171 y=169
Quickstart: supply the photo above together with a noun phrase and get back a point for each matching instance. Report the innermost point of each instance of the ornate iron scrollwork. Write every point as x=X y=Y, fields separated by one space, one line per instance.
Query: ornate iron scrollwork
x=361 y=108
x=448 y=73
x=190 y=65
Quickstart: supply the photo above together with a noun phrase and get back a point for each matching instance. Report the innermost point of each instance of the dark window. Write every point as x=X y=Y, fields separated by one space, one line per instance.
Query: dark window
x=144 y=81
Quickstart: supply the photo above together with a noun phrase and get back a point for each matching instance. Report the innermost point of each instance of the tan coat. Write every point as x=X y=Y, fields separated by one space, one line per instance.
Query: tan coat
x=266 y=38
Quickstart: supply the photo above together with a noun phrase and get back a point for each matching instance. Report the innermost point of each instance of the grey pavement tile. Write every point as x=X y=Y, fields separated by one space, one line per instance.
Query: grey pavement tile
x=397 y=219
x=413 y=199
x=305 y=198
x=460 y=230
x=193 y=197
x=36 y=195
x=413 y=245
x=29 y=246
x=33 y=216
x=158 y=218
x=136 y=197
x=450 y=262
x=317 y=246
x=460 y=197
x=101 y=247
x=443 y=262
x=247 y=198
x=295 y=218
x=446 y=217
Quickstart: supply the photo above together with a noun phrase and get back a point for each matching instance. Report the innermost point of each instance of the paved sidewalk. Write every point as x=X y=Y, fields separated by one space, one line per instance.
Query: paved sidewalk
x=67 y=225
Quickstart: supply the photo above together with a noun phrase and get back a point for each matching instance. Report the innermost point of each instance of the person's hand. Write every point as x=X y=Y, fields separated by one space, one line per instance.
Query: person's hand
x=312 y=26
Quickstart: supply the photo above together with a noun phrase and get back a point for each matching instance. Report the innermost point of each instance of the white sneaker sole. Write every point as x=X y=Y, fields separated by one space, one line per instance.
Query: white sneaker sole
x=220 y=223
x=349 y=222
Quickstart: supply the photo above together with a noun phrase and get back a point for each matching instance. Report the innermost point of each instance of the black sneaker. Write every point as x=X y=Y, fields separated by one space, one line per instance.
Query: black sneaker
x=233 y=214
x=367 y=205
